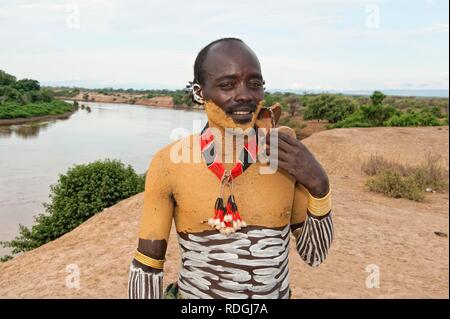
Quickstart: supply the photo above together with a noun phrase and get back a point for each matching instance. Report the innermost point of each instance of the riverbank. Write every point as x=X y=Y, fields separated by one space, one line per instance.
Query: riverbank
x=14 y=112
x=23 y=120
x=163 y=101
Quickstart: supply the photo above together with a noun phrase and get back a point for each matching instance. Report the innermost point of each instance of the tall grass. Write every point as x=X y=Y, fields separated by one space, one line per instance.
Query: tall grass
x=402 y=181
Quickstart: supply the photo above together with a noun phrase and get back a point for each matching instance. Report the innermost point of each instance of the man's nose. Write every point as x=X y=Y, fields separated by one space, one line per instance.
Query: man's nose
x=243 y=94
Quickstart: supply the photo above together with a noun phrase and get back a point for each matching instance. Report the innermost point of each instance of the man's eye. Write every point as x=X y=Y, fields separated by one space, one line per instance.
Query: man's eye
x=256 y=84
x=226 y=85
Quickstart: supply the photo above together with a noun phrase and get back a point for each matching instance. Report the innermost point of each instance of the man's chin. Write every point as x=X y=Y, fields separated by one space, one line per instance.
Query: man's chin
x=220 y=118
x=241 y=121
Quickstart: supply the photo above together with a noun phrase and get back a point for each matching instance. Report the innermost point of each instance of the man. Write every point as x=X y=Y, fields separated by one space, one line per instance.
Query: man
x=226 y=251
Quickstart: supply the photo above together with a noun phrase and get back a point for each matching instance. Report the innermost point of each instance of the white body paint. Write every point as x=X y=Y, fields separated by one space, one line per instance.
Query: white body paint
x=239 y=268
x=144 y=285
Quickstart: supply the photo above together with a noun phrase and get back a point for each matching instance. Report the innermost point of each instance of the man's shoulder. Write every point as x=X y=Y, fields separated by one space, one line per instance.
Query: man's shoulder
x=165 y=154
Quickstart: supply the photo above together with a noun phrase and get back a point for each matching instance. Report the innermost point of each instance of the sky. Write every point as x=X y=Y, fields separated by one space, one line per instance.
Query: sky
x=302 y=45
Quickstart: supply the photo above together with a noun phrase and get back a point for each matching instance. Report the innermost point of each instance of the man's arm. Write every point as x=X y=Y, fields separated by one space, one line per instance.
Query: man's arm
x=312 y=225
x=145 y=279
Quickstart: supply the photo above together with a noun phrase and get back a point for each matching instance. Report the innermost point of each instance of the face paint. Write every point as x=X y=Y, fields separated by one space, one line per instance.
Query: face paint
x=218 y=118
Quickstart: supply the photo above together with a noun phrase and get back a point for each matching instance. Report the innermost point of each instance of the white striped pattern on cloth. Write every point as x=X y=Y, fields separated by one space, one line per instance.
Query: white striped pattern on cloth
x=251 y=263
x=314 y=239
x=144 y=285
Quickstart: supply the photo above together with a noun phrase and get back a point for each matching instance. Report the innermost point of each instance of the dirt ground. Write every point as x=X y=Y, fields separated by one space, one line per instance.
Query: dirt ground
x=374 y=234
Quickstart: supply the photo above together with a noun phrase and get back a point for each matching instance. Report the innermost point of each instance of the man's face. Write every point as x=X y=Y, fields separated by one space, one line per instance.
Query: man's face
x=233 y=80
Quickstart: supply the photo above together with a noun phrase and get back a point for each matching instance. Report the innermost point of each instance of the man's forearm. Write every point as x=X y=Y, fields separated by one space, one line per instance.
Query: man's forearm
x=315 y=235
x=144 y=282
x=146 y=270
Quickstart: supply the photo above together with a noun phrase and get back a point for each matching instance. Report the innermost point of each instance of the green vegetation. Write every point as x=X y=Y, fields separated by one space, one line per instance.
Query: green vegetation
x=331 y=107
x=368 y=115
x=362 y=111
x=11 y=110
x=376 y=113
x=180 y=97
x=414 y=118
x=79 y=194
x=25 y=98
x=402 y=181
x=277 y=97
x=339 y=110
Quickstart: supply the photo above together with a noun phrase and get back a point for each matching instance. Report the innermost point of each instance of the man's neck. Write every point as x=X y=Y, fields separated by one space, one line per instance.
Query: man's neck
x=225 y=142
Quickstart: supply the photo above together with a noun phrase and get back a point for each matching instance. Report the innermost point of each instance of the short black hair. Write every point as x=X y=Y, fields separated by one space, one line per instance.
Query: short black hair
x=198 y=65
x=201 y=57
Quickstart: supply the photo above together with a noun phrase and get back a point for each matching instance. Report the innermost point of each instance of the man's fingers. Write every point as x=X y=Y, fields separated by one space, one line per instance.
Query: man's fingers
x=287 y=138
x=284 y=166
x=284 y=156
x=282 y=145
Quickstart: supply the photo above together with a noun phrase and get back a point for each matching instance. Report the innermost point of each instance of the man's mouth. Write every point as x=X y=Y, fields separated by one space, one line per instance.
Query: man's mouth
x=242 y=116
x=242 y=112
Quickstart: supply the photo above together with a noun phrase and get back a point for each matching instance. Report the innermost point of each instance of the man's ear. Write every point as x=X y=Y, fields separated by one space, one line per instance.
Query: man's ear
x=197 y=93
x=266 y=114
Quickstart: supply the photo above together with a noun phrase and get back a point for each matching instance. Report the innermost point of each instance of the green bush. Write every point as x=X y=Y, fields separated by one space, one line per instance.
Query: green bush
x=436 y=111
x=10 y=94
x=395 y=185
x=272 y=98
x=5 y=258
x=413 y=118
x=331 y=107
x=26 y=85
x=6 y=79
x=368 y=115
x=377 y=98
x=181 y=98
x=15 y=94
x=376 y=164
x=402 y=181
x=11 y=110
x=376 y=114
x=79 y=194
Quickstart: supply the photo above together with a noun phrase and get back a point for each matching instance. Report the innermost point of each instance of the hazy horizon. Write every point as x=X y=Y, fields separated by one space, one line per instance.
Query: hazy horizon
x=339 y=45
x=393 y=92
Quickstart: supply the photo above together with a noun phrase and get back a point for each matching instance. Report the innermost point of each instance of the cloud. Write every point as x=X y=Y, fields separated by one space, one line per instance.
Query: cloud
x=322 y=43
x=435 y=28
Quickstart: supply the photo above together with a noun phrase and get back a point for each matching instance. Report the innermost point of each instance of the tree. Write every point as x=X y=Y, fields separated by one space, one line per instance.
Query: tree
x=6 y=79
x=293 y=103
x=329 y=107
x=377 y=97
x=177 y=99
x=272 y=98
x=47 y=95
x=8 y=93
x=26 y=85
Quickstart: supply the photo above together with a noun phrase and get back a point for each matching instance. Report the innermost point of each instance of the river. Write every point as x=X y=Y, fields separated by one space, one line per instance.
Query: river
x=33 y=155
